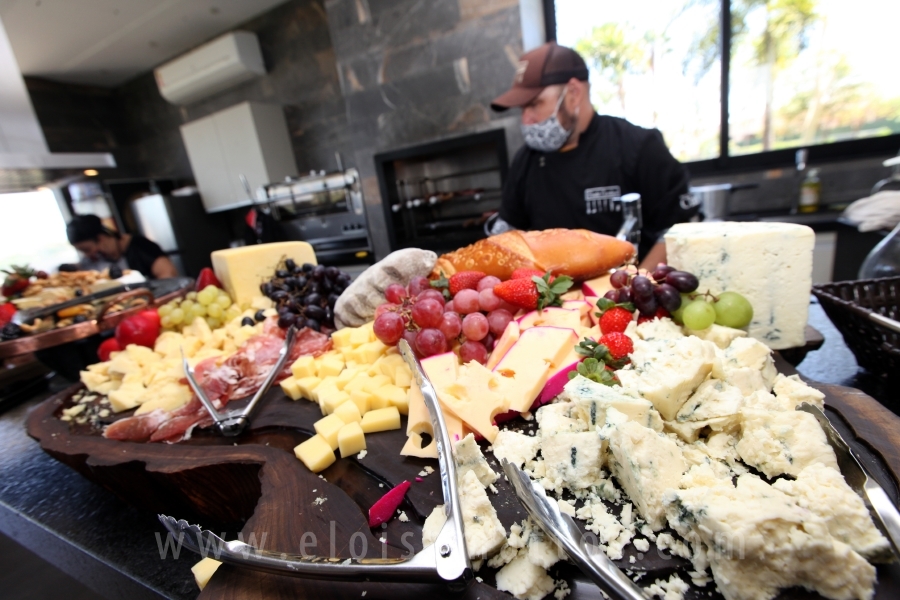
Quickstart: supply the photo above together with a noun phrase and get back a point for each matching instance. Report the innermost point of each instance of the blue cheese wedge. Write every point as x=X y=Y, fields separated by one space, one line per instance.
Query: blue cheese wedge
x=572 y=460
x=646 y=464
x=783 y=443
x=770 y=264
x=792 y=391
x=823 y=491
x=716 y=405
x=593 y=399
x=559 y=417
x=666 y=372
x=469 y=458
x=760 y=541
x=483 y=530
x=518 y=448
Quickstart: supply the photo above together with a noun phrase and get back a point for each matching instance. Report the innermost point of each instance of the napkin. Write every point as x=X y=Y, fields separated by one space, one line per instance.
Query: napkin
x=878 y=211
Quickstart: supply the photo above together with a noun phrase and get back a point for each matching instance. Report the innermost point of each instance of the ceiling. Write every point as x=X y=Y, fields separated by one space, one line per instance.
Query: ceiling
x=107 y=42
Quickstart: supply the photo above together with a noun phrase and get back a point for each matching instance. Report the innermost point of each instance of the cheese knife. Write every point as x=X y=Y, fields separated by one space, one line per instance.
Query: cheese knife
x=447 y=560
x=858 y=478
x=561 y=528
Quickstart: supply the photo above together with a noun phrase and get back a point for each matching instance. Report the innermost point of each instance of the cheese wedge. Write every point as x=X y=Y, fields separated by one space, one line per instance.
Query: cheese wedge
x=242 y=270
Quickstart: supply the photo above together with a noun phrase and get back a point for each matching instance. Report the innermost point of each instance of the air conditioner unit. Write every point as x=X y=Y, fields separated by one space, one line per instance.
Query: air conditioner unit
x=211 y=68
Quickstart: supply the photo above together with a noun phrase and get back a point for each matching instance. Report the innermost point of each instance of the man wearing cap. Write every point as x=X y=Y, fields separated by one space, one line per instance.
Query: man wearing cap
x=576 y=164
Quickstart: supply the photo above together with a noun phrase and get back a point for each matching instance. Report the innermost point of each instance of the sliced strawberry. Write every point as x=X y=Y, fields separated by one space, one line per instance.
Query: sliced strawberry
x=465 y=280
x=383 y=510
x=524 y=273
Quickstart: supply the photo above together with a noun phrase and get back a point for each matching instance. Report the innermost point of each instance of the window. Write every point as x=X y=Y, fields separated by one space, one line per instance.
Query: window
x=34 y=232
x=800 y=73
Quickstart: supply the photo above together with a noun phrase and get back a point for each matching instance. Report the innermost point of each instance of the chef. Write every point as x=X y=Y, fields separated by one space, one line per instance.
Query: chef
x=103 y=248
x=576 y=164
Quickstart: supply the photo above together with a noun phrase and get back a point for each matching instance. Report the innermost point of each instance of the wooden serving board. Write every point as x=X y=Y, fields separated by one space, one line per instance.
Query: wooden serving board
x=256 y=486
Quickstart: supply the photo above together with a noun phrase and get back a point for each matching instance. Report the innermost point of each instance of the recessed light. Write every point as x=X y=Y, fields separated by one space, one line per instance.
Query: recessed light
x=90 y=172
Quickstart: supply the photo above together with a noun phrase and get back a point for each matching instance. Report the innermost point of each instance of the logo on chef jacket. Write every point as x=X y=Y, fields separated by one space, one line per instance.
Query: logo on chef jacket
x=602 y=199
x=520 y=71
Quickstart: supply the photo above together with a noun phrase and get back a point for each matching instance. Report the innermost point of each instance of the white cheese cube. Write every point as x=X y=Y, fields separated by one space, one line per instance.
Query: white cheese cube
x=469 y=458
x=770 y=264
x=666 y=372
x=783 y=443
x=646 y=465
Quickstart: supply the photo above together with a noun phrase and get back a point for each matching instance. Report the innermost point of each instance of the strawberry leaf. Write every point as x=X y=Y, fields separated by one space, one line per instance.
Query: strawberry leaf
x=549 y=293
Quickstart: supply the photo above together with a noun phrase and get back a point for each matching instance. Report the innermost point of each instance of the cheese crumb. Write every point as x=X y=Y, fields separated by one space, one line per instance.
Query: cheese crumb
x=642 y=544
x=429 y=470
x=673 y=589
x=361 y=455
x=403 y=518
x=319 y=501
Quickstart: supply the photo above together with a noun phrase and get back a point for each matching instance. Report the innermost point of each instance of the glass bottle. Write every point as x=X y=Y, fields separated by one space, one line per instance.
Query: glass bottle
x=884 y=259
x=810 y=192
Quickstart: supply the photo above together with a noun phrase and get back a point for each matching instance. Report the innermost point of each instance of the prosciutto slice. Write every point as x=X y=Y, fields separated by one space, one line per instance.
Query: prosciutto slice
x=239 y=376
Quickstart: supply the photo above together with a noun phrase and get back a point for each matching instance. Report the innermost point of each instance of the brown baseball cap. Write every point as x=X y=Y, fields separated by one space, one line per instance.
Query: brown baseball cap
x=549 y=64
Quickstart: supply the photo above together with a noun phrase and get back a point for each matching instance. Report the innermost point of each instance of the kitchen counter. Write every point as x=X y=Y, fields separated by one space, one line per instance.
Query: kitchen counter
x=114 y=549
x=821 y=220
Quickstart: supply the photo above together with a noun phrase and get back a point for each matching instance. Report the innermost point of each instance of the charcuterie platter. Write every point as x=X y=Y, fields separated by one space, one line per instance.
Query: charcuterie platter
x=648 y=452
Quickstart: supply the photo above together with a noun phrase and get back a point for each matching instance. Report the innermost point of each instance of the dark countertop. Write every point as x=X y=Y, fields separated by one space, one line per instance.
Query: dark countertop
x=113 y=548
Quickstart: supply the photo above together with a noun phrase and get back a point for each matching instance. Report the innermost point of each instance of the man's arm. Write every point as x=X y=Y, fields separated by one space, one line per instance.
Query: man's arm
x=162 y=268
x=656 y=255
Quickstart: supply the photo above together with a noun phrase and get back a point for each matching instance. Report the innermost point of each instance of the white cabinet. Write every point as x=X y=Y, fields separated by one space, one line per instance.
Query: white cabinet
x=249 y=139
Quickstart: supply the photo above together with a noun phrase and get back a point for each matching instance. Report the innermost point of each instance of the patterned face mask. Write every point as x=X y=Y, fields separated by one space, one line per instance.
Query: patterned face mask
x=548 y=135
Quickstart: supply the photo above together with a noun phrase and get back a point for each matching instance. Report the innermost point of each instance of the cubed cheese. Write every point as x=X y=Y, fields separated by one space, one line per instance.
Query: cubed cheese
x=381 y=419
x=305 y=366
x=770 y=264
x=351 y=439
x=315 y=453
x=291 y=389
x=204 y=570
x=328 y=428
x=348 y=412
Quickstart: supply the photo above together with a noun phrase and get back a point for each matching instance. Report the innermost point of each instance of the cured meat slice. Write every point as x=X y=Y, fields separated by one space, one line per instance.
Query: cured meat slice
x=138 y=428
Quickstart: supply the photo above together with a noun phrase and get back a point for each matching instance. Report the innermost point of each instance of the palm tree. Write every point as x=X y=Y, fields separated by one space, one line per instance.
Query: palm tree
x=614 y=54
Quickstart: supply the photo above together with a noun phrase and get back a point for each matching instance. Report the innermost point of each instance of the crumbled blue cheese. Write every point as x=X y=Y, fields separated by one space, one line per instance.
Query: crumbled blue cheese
x=673 y=589
x=823 y=491
x=792 y=391
x=524 y=580
x=483 y=530
x=593 y=399
x=666 y=372
x=525 y=558
x=779 y=443
x=759 y=541
x=559 y=417
x=517 y=448
x=659 y=329
x=646 y=464
x=402 y=517
x=469 y=458
x=573 y=460
x=719 y=335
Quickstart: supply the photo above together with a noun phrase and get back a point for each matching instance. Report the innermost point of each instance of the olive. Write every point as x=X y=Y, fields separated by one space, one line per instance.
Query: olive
x=79 y=319
x=308 y=267
x=281 y=273
x=289 y=264
x=313 y=299
x=248 y=321
x=315 y=312
x=313 y=324
x=286 y=320
x=260 y=315
x=115 y=272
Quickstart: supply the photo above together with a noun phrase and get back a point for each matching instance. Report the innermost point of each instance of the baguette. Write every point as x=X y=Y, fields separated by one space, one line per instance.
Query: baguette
x=578 y=253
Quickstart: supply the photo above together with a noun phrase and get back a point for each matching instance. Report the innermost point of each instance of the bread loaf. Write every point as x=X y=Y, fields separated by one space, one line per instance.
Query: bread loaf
x=578 y=253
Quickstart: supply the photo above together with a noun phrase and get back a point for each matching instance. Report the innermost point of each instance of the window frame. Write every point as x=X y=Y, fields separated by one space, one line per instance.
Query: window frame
x=771 y=159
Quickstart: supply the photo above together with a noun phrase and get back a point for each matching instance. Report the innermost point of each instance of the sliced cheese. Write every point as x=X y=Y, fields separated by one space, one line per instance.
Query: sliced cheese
x=476 y=396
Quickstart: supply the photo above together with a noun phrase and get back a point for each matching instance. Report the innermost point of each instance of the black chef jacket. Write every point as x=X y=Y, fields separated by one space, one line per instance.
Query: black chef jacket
x=578 y=188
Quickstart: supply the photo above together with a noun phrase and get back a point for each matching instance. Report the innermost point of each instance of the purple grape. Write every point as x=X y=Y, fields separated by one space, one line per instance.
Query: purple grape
x=641 y=288
x=682 y=281
x=660 y=272
x=624 y=295
x=647 y=306
x=619 y=279
x=612 y=295
x=668 y=297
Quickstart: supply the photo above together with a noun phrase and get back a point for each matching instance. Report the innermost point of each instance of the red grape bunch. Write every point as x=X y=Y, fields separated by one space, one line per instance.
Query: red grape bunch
x=466 y=316
x=661 y=290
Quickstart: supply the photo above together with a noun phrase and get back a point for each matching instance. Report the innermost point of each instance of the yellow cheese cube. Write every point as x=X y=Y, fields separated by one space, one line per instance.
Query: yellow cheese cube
x=341 y=338
x=346 y=377
x=306 y=385
x=373 y=383
x=370 y=352
x=389 y=364
x=348 y=412
x=329 y=365
x=291 y=389
x=323 y=388
x=315 y=453
x=203 y=571
x=383 y=419
x=388 y=395
x=109 y=386
x=304 y=367
x=329 y=402
x=242 y=269
x=169 y=396
x=351 y=439
x=363 y=400
x=328 y=428
x=403 y=377
x=357 y=383
x=363 y=334
x=93 y=380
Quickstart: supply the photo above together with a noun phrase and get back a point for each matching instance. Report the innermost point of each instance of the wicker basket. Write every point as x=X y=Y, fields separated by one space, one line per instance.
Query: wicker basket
x=848 y=304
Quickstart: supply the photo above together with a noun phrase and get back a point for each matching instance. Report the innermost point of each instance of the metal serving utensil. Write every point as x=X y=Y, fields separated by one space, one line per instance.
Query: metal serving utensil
x=858 y=478
x=445 y=561
x=561 y=528
x=233 y=422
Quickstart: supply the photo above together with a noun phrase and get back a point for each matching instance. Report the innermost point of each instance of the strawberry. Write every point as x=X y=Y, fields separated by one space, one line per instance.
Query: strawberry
x=6 y=313
x=17 y=279
x=465 y=280
x=523 y=273
x=660 y=313
x=618 y=344
x=106 y=348
x=534 y=293
x=207 y=277
x=518 y=292
x=616 y=319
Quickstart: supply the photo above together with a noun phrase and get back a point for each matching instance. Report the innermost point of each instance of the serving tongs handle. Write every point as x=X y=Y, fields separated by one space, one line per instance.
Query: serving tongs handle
x=561 y=528
x=233 y=423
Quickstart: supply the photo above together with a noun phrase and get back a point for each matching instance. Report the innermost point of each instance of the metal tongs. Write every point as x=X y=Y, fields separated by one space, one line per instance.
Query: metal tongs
x=445 y=561
x=561 y=528
x=233 y=422
x=858 y=478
